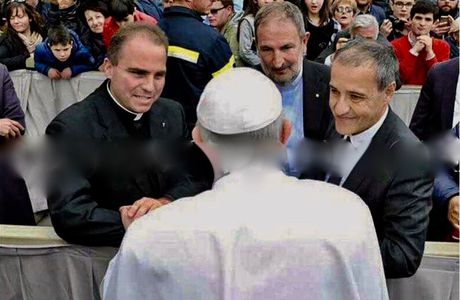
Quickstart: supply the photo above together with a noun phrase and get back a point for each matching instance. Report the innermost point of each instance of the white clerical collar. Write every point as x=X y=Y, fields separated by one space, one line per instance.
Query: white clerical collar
x=292 y=83
x=137 y=116
x=366 y=136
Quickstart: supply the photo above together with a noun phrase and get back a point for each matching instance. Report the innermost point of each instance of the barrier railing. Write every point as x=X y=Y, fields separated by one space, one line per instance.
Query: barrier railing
x=36 y=264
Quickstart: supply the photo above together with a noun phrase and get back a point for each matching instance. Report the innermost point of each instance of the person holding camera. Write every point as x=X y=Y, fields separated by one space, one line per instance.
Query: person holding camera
x=397 y=24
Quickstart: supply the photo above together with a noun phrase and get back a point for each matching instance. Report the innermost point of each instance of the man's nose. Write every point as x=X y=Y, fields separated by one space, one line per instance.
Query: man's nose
x=278 y=59
x=341 y=106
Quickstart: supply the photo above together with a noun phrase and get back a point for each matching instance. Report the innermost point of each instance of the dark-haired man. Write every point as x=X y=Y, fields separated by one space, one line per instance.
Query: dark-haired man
x=418 y=52
x=109 y=175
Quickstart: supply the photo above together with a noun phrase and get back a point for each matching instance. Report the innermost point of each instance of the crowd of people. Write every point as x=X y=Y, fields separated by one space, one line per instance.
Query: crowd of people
x=240 y=114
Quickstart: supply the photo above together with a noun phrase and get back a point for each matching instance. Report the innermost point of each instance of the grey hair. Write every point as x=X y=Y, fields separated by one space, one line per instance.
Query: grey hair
x=271 y=132
x=239 y=150
x=364 y=21
x=363 y=52
x=280 y=10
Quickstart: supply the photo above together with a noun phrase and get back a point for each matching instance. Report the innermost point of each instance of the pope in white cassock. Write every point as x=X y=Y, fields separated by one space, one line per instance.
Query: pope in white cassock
x=258 y=234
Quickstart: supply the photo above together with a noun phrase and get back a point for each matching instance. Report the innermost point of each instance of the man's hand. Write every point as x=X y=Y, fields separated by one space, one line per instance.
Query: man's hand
x=341 y=42
x=145 y=205
x=54 y=74
x=66 y=73
x=386 y=28
x=441 y=28
x=139 y=208
x=452 y=211
x=10 y=128
x=428 y=42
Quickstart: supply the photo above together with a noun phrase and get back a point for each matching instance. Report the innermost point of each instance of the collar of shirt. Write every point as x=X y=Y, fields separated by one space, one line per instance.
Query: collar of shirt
x=364 y=138
x=136 y=116
x=412 y=39
x=456 y=117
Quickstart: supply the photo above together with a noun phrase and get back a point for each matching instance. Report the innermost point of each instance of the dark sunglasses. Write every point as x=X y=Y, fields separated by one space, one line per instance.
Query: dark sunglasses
x=214 y=11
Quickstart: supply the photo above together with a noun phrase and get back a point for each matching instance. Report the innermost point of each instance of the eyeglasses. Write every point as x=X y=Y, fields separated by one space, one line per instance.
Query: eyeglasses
x=214 y=11
x=342 y=9
x=402 y=4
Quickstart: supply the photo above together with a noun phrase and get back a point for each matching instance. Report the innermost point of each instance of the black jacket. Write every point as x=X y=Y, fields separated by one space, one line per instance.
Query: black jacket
x=102 y=168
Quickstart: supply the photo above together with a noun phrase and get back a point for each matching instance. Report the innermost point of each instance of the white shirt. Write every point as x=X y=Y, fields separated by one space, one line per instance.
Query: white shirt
x=456 y=118
x=354 y=150
x=258 y=234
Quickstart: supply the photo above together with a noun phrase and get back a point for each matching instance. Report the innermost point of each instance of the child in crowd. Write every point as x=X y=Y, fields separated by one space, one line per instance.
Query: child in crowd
x=62 y=55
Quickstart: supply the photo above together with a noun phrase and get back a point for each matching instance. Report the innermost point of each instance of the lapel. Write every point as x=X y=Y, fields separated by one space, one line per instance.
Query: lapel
x=113 y=130
x=367 y=164
x=449 y=88
x=314 y=94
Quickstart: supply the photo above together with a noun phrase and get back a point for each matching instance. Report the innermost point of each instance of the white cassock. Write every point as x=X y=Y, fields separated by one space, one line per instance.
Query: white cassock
x=257 y=234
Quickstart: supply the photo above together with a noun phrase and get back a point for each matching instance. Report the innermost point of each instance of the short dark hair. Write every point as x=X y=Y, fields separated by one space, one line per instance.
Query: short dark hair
x=132 y=30
x=97 y=6
x=363 y=52
x=120 y=9
x=226 y=3
x=59 y=35
x=424 y=7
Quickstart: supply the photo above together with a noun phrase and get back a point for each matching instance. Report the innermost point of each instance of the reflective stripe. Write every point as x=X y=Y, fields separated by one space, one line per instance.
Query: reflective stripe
x=225 y=68
x=182 y=53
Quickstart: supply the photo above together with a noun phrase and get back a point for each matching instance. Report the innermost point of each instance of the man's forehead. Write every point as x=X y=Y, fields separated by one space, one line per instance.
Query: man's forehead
x=424 y=16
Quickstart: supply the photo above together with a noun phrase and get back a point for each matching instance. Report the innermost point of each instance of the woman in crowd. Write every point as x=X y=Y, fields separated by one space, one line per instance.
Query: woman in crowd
x=93 y=15
x=322 y=28
x=24 y=31
x=344 y=11
x=246 y=33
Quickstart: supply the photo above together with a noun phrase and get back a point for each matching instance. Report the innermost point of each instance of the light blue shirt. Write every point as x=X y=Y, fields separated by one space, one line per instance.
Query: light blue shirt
x=292 y=95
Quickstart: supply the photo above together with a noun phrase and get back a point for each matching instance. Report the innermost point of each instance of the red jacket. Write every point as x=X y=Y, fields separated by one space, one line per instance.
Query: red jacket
x=111 y=26
x=414 y=69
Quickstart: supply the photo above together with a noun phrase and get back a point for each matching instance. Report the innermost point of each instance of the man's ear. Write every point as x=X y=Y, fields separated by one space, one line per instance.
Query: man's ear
x=286 y=130
x=196 y=135
x=304 y=42
x=390 y=91
x=108 y=68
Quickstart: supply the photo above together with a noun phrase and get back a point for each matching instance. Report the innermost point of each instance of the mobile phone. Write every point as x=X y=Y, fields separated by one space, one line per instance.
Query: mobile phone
x=444 y=19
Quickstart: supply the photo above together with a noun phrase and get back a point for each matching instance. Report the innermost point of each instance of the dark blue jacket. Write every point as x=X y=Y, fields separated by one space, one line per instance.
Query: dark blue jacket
x=196 y=54
x=150 y=8
x=80 y=59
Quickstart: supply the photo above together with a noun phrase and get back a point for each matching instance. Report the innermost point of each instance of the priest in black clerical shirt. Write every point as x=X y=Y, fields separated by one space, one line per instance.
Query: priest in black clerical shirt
x=117 y=150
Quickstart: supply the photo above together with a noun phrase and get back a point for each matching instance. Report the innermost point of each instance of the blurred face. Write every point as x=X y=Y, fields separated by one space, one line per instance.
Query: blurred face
x=139 y=77
x=95 y=20
x=344 y=15
x=314 y=6
x=261 y=3
x=62 y=52
x=63 y=4
x=355 y=100
x=401 y=8
x=201 y=6
x=167 y=3
x=447 y=5
x=281 y=50
x=20 y=21
x=219 y=15
x=32 y=3
x=127 y=19
x=369 y=33
x=421 y=24
x=363 y=3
